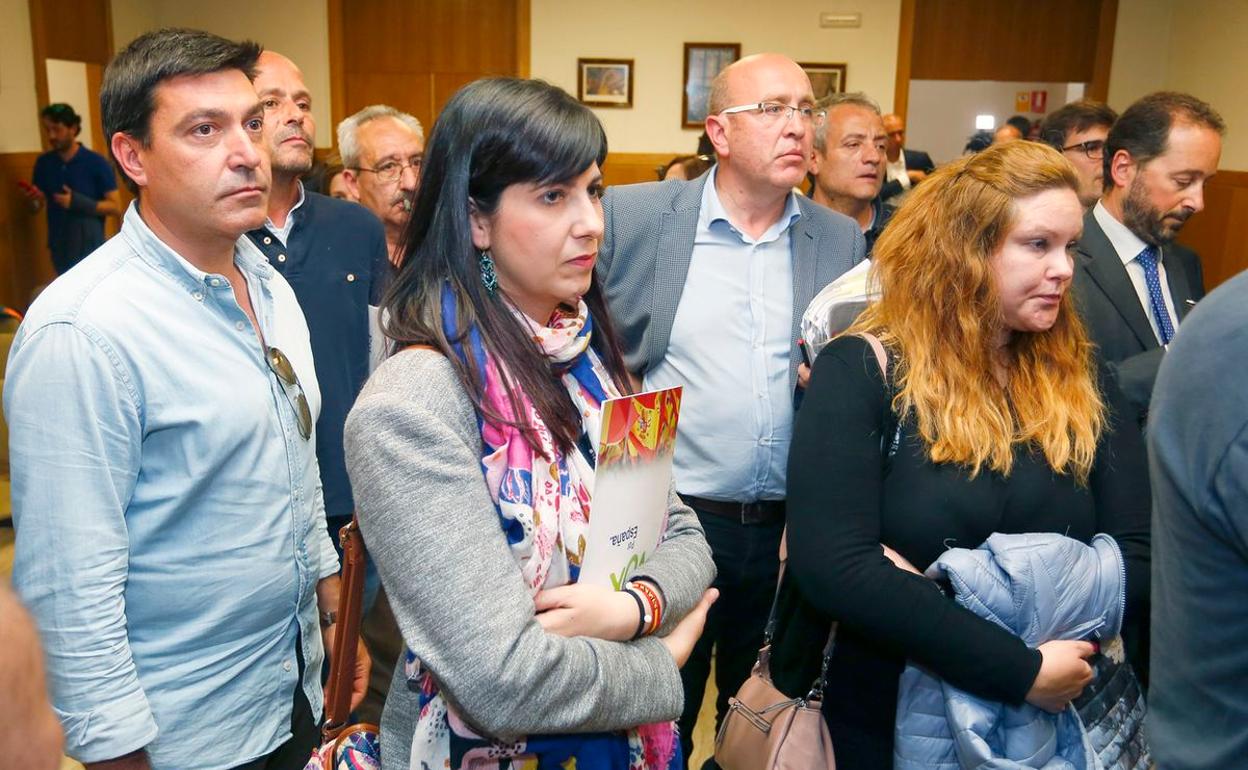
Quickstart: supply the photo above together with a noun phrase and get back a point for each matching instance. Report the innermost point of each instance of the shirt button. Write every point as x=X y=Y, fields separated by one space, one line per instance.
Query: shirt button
x=281 y=257
x=198 y=295
x=350 y=277
x=215 y=282
x=240 y=325
x=286 y=665
x=267 y=240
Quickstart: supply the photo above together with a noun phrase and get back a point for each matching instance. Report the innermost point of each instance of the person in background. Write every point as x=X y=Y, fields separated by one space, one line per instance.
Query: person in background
x=977 y=142
x=1198 y=451
x=29 y=731
x=506 y=352
x=1007 y=132
x=708 y=280
x=1079 y=130
x=382 y=150
x=333 y=254
x=905 y=167
x=161 y=400
x=1133 y=284
x=847 y=162
x=76 y=185
x=990 y=419
x=1023 y=125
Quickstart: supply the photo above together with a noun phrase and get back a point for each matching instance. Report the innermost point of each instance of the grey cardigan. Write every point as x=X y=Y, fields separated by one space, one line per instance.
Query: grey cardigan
x=413 y=452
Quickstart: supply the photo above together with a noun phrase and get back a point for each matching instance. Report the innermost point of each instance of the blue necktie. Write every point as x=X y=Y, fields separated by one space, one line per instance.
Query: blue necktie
x=1148 y=260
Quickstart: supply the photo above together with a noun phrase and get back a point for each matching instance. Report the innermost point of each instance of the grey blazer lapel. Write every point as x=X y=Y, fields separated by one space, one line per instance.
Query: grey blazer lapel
x=1176 y=277
x=805 y=270
x=673 y=253
x=1103 y=266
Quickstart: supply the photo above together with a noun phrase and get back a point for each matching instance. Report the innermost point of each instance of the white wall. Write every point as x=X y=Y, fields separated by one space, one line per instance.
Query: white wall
x=19 y=108
x=67 y=82
x=1209 y=58
x=1141 y=50
x=942 y=113
x=299 y=30
x=653 y=33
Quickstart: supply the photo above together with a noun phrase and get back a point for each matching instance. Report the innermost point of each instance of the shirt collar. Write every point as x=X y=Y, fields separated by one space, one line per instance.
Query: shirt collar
x=158 y=254
x=1127 y=244
x=283 y=232
x=712 y=210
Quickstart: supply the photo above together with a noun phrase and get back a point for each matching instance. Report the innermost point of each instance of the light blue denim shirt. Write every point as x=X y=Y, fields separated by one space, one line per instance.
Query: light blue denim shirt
x=730 y=350
x=170 y=527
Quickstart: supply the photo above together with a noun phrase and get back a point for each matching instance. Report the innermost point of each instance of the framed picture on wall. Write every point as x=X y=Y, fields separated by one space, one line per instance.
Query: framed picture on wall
x=703 y=61
x=605 y=82
x=825 y=79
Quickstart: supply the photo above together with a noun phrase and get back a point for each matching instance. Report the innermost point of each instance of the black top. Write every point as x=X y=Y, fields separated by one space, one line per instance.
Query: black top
x=845 y=499
x=335 y=261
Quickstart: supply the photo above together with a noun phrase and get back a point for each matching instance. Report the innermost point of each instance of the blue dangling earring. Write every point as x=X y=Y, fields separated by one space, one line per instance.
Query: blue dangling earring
x=488 y=277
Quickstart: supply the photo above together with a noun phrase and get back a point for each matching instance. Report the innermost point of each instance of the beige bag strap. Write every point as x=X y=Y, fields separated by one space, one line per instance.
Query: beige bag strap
x=881 y=355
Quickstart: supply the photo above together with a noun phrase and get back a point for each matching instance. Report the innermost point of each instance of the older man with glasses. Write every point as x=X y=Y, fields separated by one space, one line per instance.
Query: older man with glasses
x=382 y=149
x=707 y=280
x=161 y=401
x=1079 y=130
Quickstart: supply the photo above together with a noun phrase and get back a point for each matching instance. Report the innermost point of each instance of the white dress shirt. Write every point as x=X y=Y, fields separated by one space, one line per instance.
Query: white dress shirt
x=730 y=348
x=1129 y=245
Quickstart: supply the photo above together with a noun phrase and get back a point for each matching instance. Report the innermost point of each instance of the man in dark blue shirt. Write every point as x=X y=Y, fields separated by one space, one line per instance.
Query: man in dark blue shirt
x=333 y=254
x=76 y=185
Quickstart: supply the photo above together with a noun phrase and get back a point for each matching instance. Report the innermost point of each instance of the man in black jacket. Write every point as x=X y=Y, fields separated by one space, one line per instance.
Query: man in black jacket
x=333 y=254
x=905 y=168
x=1132 y=284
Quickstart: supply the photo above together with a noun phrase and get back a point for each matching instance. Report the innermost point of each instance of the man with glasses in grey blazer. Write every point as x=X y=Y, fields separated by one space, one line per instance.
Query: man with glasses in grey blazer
x=707 y=281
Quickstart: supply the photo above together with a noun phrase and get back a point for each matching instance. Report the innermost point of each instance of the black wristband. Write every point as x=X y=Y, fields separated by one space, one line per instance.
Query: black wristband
x=641 y=613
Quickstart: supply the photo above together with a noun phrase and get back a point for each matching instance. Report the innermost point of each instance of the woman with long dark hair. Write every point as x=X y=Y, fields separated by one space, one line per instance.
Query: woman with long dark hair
x=471 y=454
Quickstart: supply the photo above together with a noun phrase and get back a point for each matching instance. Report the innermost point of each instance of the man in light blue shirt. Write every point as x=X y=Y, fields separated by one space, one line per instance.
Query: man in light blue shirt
x=707 y=281
x=161 y=400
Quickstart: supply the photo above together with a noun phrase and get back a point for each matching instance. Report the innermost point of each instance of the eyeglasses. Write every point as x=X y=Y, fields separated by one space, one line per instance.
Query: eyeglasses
x=280 y=365
x=390 y=170
x=774 y=112
x=1093 y=148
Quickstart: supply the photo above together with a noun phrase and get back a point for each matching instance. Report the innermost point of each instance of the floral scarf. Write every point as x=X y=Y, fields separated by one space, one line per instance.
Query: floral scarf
x=543 y=505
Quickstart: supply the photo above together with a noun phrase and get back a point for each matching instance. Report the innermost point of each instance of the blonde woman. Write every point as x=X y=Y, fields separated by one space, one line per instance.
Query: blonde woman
x=991 y=419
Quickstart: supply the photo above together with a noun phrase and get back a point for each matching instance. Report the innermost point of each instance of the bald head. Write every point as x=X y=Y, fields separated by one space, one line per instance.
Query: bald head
x=289 y=129
x=1006 y=133
x=763 y=153
x=736 y=83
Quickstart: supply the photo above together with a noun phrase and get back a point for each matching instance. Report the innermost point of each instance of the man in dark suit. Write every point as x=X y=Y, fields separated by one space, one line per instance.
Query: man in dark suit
x=905 y=168
x=707 y=281
x=1133 y=285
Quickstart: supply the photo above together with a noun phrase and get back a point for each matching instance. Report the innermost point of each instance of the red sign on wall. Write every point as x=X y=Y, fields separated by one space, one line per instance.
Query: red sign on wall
x=1038 y=100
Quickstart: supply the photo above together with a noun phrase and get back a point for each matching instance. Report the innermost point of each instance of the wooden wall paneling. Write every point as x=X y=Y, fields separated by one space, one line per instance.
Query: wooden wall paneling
x=337 y=72
x=632 y=167
x=524 y=36
x=408 y=92
x=445 y=84
x=77 y=30
x=1006 y=40
x=415 y=54
x=1219 y=234
x=1098 y=88
x=905 y=58
x=38 y=45
x=24 y=262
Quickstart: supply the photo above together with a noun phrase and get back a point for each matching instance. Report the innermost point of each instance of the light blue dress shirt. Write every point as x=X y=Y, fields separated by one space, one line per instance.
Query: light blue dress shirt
x=730 y=350
x=170 y=527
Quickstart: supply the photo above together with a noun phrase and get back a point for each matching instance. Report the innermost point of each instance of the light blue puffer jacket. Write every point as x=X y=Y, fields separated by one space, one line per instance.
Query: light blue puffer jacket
x=1040 y=587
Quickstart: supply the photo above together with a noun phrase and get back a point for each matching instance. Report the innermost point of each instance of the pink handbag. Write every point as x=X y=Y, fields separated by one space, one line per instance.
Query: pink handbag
x=765 y=729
